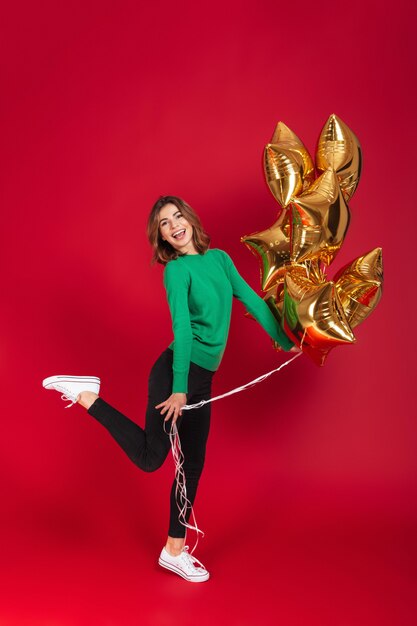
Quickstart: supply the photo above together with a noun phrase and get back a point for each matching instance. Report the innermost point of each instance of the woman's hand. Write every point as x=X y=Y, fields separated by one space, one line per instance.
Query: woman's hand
x=173 y=405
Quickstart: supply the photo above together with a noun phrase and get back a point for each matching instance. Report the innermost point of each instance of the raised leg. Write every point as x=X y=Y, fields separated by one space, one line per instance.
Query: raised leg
x=146 y=447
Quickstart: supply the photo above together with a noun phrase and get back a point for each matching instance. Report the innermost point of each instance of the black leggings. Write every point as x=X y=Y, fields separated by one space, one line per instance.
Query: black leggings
x=148 y=448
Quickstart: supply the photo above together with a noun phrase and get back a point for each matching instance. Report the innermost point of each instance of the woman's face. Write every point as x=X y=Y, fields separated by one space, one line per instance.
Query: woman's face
x=176 y=230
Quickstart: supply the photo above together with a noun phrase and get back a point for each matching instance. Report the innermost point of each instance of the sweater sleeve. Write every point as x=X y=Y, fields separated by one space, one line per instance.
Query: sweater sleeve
x=256 y=305
x=177 y=283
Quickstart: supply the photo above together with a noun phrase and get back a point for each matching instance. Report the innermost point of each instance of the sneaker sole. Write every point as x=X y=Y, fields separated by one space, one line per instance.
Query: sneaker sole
x=70 y=379
x=178 y=571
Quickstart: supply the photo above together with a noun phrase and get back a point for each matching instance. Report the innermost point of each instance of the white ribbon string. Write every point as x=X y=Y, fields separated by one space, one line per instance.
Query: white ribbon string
x=187 y=407
x=180 y=488
x=181 y=499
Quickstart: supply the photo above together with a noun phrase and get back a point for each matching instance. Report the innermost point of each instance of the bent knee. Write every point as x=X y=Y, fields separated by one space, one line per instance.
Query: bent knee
x=148 y=464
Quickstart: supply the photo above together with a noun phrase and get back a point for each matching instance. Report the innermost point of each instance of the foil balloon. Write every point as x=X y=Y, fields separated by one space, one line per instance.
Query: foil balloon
x=313 y=270
x=316 y=314
x=272 y=248
x=313 y=316
x=359 y=286
x=288 y=140
x=283 y=173
x=339 y=149
x=289 y=168
x=320 y=219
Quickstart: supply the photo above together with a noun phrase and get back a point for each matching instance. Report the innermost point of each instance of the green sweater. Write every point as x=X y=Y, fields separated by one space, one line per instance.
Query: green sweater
x=200 y=288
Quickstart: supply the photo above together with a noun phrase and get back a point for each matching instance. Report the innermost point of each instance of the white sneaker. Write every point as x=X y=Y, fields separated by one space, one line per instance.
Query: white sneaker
x=71 y=386
x=184 y=565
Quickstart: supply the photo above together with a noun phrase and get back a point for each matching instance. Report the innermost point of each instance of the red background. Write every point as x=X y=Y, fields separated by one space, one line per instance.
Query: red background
x=308 y=498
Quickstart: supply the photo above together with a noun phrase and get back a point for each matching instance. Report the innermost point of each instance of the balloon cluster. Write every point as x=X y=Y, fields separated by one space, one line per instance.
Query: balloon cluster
x=294 y=253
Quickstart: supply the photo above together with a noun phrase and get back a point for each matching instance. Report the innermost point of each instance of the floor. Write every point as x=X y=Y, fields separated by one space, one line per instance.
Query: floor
x=295 y=572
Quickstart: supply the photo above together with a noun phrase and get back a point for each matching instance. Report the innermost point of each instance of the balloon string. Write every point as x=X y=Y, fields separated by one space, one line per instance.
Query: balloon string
x=183 y=503
x=188 y=407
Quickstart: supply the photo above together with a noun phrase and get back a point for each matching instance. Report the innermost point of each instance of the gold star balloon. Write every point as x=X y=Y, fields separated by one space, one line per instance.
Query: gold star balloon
x=359 y=286
x=320 y=219
x=289 y=168
x=339 y=148
x=288 y=140
x=316 y=314
x=272 y=248
x=313 y=316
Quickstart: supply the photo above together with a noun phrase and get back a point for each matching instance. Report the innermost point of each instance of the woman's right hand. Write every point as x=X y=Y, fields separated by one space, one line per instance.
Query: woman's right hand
x=173 y=405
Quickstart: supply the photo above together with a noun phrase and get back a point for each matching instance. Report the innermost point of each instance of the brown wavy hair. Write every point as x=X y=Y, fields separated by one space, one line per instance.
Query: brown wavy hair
x=162 y=250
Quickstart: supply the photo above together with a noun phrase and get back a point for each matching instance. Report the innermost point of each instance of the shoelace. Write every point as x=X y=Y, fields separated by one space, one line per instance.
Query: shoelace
x=189 y=560
x=66 y=399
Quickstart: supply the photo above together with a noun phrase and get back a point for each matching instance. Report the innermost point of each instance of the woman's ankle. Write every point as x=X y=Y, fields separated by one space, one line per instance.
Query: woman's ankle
x=175 y=545
x=86 y=399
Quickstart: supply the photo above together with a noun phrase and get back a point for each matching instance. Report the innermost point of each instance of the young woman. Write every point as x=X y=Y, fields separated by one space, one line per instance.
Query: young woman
x=200 y=283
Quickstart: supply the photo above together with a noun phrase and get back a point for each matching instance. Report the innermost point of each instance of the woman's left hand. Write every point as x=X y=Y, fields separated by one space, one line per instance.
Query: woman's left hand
x=173 y=405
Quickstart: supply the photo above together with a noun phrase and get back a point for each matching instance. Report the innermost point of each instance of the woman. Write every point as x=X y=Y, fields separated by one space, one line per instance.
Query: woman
x=200 y=283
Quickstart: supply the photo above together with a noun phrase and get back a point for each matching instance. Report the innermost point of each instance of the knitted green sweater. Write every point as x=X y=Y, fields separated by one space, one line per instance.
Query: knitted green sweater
x=199 y=290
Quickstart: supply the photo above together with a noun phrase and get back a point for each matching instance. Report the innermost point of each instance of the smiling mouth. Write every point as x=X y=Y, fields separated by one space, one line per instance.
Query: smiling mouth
x=179 y=234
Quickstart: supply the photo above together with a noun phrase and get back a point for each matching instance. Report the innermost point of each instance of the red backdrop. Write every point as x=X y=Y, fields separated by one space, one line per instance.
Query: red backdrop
x=308 y=498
